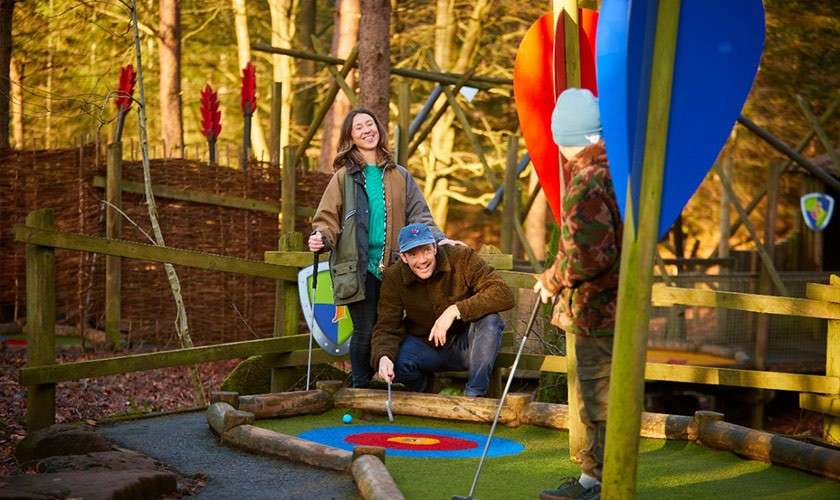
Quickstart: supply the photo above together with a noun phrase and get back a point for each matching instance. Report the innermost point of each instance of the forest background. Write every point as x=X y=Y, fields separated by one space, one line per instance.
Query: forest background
x=66 y=55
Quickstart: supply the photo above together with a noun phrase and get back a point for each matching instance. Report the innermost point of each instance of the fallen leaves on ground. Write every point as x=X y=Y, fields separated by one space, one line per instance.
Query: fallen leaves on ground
x=90 y=400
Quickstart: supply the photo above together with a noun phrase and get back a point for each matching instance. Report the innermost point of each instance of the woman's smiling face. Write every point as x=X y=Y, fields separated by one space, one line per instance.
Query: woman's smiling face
x=364 y=133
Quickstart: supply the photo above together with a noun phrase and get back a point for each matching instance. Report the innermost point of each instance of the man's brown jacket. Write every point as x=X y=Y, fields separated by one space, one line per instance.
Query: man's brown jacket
x=410 y=306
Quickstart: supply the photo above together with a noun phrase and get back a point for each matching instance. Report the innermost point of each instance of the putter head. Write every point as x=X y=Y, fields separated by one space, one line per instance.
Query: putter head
x=458 y=497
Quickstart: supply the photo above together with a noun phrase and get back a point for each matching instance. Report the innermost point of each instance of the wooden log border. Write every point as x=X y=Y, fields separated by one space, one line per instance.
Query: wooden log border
x=654 y=425
x=375 y=482
x=460 y=408
x=771 y=448
x=287 y=404
x=372 y=478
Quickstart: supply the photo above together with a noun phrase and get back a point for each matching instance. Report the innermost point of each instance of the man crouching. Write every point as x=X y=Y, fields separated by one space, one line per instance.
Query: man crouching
x=438 y=311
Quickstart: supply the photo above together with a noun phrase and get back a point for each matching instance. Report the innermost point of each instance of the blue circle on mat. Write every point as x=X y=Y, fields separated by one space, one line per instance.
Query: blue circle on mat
x=337 y=437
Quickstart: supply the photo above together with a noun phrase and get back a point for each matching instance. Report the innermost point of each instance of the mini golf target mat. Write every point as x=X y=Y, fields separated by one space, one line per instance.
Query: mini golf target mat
x=419 y=442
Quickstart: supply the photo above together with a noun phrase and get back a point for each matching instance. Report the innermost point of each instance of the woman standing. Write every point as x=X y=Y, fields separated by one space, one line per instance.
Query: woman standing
x=368 y=200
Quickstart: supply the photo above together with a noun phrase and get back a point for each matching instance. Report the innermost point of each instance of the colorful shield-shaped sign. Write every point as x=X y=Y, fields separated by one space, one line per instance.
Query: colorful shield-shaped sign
x=331 y=326
x=816 y=210
x=718 y=48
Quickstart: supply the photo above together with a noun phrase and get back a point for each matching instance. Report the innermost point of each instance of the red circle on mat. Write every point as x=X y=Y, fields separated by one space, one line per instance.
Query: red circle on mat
x=411 y=441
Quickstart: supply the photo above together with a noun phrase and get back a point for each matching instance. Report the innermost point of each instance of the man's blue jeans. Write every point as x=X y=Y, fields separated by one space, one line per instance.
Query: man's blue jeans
x=474 y=350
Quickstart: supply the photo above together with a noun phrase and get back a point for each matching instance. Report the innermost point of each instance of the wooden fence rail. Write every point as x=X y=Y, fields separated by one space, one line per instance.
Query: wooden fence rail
x=665 y=296
x=161 y=359
x=141 y=251
x=220 y=200
x=42 y=373
x=820 y=392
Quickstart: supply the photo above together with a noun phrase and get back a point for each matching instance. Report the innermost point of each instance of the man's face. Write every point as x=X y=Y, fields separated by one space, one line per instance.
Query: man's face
x=421 y=260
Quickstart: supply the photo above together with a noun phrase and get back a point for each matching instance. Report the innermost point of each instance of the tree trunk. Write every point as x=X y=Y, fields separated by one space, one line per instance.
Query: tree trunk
x=282 y=33
x=304 y=96
x=443 y=136
x=535 y=221
x=7 y=8
x=345 y=35
x=169 y=49
x=243 y=45
x=48 y=99
x=17 y=72
x=375 y=57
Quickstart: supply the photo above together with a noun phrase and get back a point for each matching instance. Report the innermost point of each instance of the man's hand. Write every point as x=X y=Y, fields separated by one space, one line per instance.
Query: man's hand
x=447 y=241
x=441 y=326
x=386 y=369
x=545 y=295
x=316 y=242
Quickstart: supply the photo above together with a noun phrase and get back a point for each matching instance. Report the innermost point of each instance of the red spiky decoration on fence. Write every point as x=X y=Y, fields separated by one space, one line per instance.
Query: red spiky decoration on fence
x=249 y=89
x=211 y=119
x=125 y=92
x=248 y=103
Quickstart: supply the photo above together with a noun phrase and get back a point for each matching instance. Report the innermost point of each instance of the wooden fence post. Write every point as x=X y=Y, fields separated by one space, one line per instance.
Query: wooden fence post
x=287 y=191
x=827 y=404
x=627 y=375
x=286 y=315
x=286 y=304
x=40 y=322
x=831 y=423
x=511 y=195
x=568 y=9
x=764 y=281
x=113 y=230
x=276 y=112
x=762 y=331
x=722 y=314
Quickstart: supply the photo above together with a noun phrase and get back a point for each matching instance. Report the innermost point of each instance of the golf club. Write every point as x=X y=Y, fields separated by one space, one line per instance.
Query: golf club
x=312 y=303
x=388 y=404
x=537 y=304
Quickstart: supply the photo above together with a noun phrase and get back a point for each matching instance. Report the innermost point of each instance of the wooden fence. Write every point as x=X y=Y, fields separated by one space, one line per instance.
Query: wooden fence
x=817 y=392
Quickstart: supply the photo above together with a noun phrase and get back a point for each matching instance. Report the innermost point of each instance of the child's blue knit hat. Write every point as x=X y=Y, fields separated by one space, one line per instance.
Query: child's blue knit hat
x=576 y=120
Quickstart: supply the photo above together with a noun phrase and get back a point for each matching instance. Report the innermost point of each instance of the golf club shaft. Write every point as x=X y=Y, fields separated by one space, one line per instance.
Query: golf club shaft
x=312 y=304
x=504 y=394
x=389 y=403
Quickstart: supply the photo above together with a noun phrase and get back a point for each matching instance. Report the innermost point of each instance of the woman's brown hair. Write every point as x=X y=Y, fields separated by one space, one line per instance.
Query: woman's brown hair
x=348 y=154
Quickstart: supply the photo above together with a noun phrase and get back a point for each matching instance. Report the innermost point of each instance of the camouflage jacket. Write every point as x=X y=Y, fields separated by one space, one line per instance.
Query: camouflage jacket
x=585 y=272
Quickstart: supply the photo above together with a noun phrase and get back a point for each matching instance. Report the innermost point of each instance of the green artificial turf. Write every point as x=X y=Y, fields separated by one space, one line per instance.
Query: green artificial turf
x=667 y=469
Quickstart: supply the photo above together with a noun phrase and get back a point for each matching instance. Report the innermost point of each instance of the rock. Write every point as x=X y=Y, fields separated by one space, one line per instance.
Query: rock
x=101 y=460
x=60 y=439
x=92 y=335
x=111 y=485
x=251 y=376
